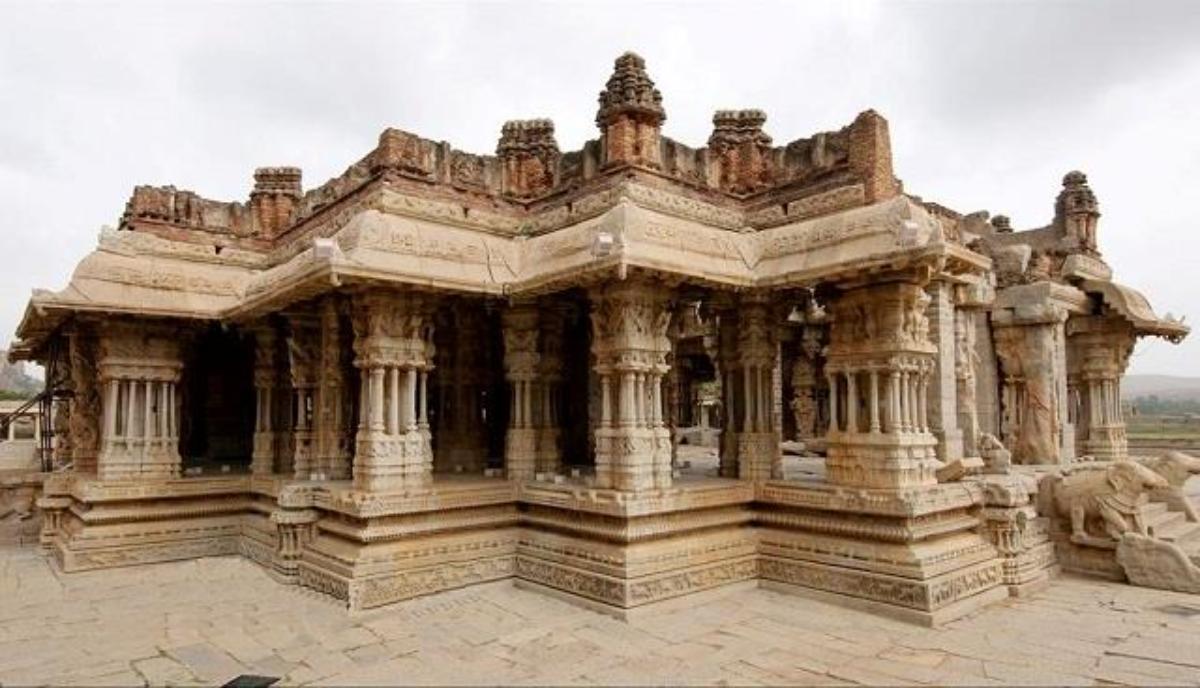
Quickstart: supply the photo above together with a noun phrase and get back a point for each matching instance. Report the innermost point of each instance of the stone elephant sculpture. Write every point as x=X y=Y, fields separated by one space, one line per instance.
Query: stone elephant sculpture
x=1177 y=468
x=1112 y=496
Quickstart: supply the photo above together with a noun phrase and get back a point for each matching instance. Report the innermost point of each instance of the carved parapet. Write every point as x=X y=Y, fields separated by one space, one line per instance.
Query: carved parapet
x=184 y=209
x=274 y=199
x=740 y=151
x=870 y=153
x=529 y=157
x=401 y=152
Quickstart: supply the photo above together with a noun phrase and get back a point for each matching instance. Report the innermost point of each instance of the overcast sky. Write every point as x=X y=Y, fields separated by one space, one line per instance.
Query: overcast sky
x=989 y=104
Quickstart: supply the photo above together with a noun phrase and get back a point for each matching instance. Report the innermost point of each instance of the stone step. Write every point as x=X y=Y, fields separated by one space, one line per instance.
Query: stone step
x=1164 y=520
x=1179 y=531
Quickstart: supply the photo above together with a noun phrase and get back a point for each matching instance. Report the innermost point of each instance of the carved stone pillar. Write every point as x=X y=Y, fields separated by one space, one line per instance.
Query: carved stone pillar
x=1098 y=350
x=971 y=300
x=730 y=370
x=758 y=454
x=392 y=331
x=304 y=350
x=521 y=362
x=630 y=343
x=550 y=371
x=881 y=331
x=333 y=454
x=295 y=526
x=140 y=367
x=942 y=389
x=1030 y=345
x=83 y=424
x=266 y=387
x=463 y=447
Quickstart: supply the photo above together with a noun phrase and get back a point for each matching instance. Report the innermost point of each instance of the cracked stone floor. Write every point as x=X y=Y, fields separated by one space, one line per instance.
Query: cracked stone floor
x=209 y=620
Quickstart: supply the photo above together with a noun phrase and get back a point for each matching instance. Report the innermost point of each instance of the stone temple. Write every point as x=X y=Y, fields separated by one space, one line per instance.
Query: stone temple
x=442 y=368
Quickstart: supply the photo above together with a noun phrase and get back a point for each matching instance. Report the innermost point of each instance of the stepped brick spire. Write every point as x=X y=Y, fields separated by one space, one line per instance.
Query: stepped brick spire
x=630 y=115
x=529 y=156
x=1077 y=211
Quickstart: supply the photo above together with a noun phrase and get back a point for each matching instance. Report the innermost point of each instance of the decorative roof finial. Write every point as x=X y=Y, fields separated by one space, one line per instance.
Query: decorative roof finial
x=1077 y=211
x=630 y=91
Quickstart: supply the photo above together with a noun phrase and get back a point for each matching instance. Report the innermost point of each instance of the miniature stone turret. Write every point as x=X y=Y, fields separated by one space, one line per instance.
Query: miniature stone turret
x=1077 y=212
x=276 y=193
x=529 y=157
x=741 y=151
x=630 y=115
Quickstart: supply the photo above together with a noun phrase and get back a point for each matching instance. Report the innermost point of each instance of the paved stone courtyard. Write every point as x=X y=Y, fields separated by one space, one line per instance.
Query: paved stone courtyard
x=206 y=621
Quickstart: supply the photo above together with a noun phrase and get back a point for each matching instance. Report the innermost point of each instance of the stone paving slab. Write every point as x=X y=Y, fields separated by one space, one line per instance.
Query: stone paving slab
x=205 y=621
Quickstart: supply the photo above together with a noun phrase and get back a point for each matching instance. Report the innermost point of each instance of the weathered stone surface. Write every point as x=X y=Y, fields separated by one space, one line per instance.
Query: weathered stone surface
x=441 y=369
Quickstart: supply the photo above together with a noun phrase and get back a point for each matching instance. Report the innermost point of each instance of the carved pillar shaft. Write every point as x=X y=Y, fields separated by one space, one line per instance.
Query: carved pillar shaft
x=835 y=424
x=874 y=401
x=392 y=331
x=882 y=329
x=630 y=321
x=135 y=360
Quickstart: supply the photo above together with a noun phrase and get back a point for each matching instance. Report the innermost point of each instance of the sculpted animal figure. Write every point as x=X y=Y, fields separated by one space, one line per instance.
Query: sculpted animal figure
x=1113 y=495
x=1176 y=467
x=995 y=457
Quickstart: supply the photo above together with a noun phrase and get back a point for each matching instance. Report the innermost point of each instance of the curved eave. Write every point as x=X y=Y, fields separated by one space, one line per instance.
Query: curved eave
x=1134 y=307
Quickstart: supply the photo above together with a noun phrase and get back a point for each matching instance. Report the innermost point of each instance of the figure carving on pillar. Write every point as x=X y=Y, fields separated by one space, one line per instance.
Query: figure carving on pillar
x=966 y=360
x=333 y=454
x=83 y=425
x=1032 y=416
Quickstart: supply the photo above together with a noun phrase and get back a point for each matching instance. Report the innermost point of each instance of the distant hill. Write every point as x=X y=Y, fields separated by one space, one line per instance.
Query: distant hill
x=14 y=381
x=1163 y=386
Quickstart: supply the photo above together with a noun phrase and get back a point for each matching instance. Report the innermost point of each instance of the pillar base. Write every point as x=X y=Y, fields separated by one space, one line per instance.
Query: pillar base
x=633 y=459
x=759 y=456
x=879 y=460
x=520 y=453
x=393 y=462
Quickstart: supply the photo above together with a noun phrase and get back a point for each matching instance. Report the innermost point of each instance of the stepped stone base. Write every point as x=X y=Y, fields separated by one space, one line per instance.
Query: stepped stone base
x=914 y=554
